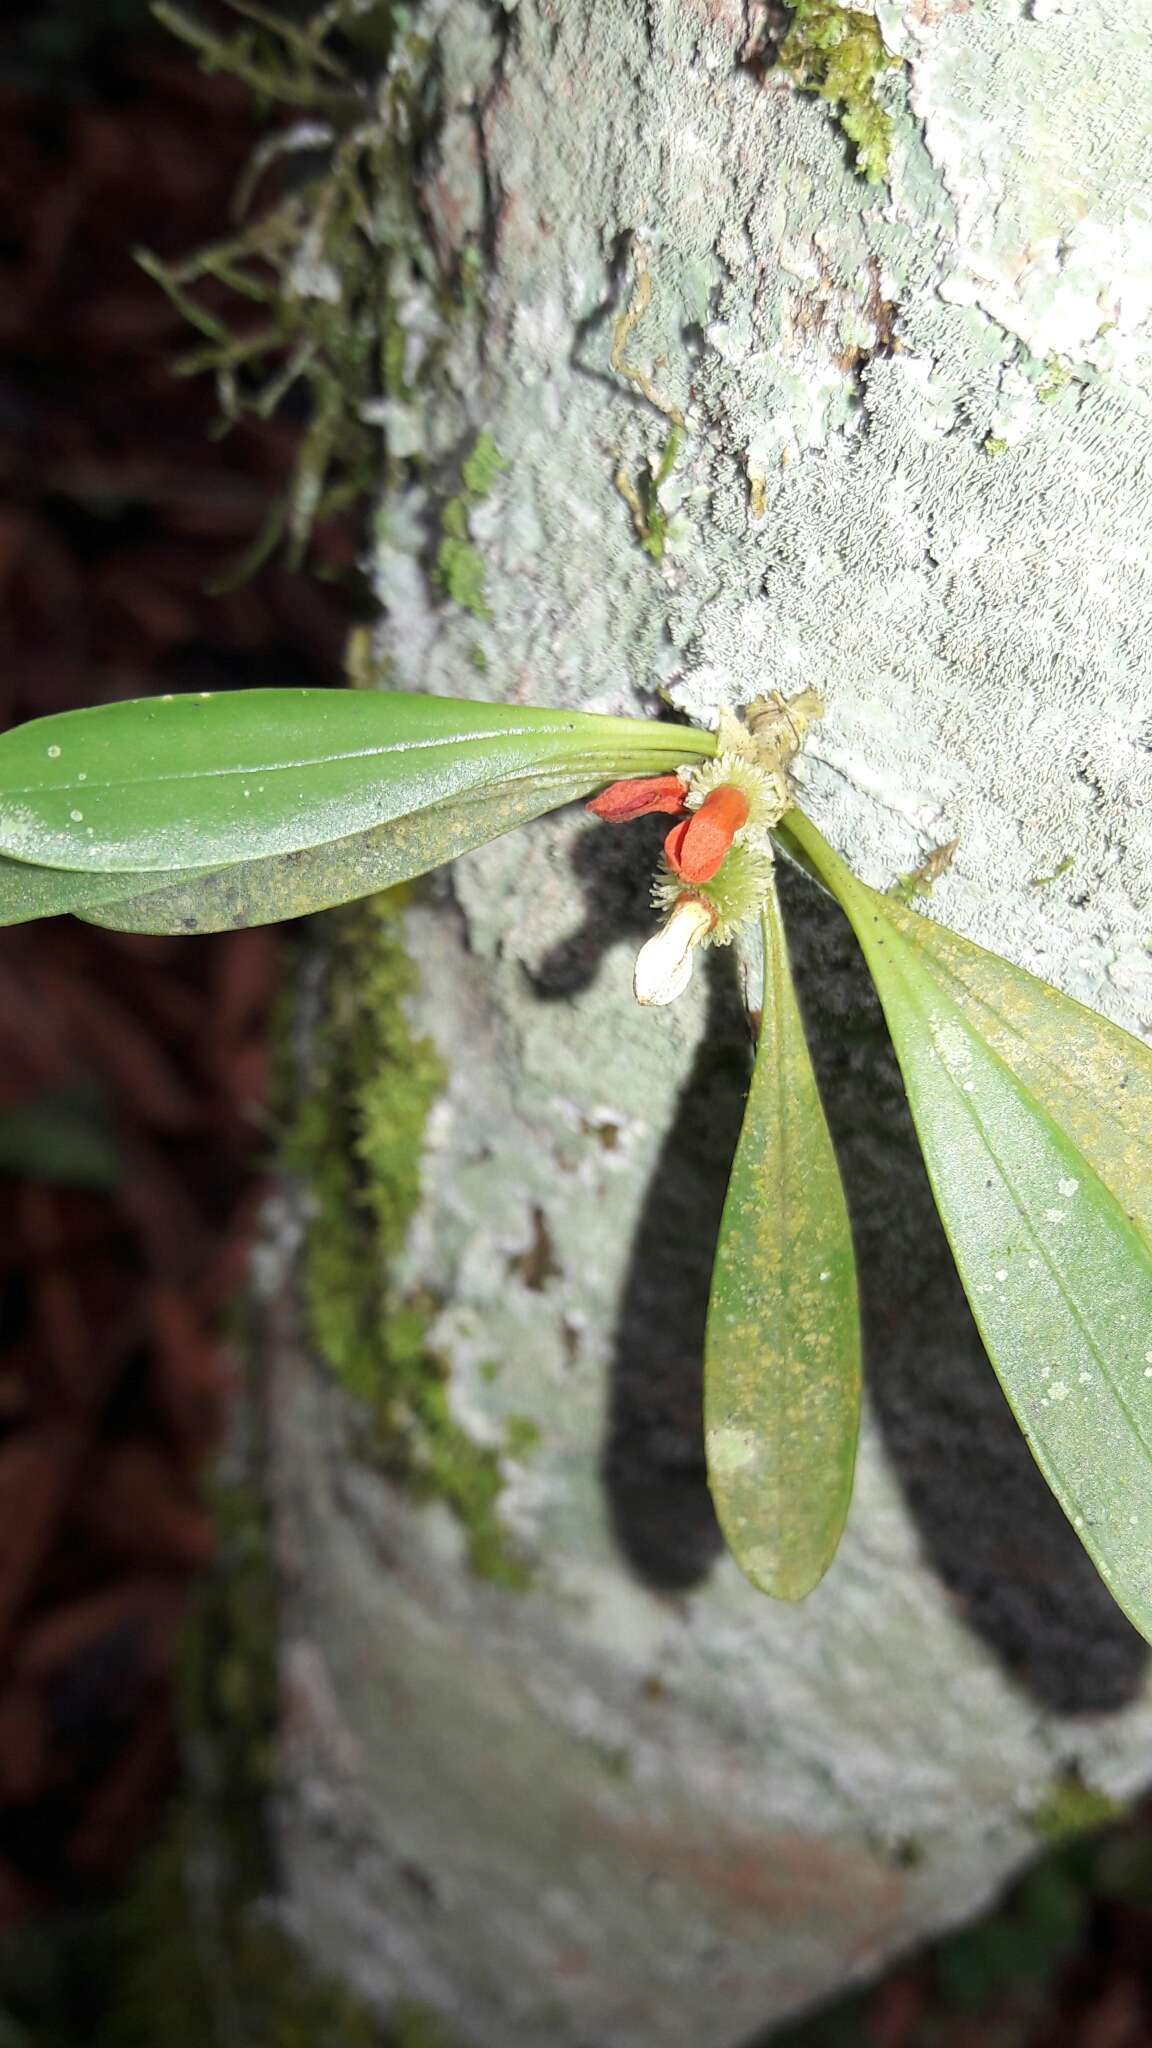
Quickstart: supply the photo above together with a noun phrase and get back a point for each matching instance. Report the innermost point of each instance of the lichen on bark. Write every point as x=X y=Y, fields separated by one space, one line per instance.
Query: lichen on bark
x=459 y=563
x=841 y=352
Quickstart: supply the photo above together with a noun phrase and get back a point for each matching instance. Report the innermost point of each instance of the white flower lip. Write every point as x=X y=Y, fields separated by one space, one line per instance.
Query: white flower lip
x=664 y=964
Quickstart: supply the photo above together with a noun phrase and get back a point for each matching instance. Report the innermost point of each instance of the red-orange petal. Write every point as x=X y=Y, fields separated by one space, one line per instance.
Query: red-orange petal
x=695 y=849
x=624 y=800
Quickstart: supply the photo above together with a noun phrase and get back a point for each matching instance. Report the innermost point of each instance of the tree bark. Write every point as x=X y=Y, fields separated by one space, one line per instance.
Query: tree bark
x=632 y=1802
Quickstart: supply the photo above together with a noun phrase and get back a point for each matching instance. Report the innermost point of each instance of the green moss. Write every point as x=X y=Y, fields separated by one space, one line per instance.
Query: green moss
x=318 y=277
x=482 y=467
x=357 y=1136
x=459 y=565
x=995 y=445
x=460 y=573
x=1056 y=378
x=1071 y=1806
x=522 y=1436
x=357 y=1139
x=839 y=54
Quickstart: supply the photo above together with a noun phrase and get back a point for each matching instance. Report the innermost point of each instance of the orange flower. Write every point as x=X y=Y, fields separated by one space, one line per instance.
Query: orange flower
x=624 y=800
x=696 y=848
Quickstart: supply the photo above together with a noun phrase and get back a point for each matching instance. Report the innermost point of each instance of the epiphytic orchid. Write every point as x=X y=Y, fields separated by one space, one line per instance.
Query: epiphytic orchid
x=195 y=814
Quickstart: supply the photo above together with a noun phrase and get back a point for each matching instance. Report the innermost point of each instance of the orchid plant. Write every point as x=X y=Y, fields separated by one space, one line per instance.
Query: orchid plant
x=203 y=813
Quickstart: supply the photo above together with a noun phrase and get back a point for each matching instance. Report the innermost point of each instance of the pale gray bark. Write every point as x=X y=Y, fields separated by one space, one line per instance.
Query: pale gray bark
x=640 y=1804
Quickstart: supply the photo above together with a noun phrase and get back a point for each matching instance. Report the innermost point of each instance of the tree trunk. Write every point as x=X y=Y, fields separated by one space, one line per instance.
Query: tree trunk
x=549 y=1765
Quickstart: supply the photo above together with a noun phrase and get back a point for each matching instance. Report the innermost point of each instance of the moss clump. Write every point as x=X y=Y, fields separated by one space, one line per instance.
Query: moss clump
x=481 y=469
x=1071 y=1806
x=459 y=565
x=304 y=302
x=839 y=54
x=357 y=1139
x=1056 y=378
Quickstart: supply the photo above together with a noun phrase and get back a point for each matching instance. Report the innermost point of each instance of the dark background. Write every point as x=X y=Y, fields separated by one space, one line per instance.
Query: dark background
x=133 y=1072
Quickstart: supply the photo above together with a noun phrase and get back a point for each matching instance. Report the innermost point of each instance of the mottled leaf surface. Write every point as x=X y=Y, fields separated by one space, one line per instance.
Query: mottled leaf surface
x=28 y=892
x=318 y=877
x=192 y=781
x=1058 y=1274
x=782 y=1358
x=1094 y=1079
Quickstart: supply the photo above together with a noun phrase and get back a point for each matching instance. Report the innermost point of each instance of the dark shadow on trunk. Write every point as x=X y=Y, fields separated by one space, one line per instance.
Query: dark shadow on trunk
x=654 y=1470
x=654 y=1467
x=987 y=1522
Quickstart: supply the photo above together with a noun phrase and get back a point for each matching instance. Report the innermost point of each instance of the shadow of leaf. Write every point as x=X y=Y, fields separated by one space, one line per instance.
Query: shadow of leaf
x=988 y=1525
x=653 y=1462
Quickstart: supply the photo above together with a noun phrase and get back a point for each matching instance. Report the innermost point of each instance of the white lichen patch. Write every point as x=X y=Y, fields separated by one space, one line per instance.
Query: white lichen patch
x=1037 y=123
x=977 y=618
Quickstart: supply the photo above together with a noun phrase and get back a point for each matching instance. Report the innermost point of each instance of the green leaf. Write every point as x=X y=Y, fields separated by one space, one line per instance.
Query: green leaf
x=27 y=892
x=1094 y=1079
x=296 y=884
x=195 y=781
x=1058 y=1274
x=782 y=1356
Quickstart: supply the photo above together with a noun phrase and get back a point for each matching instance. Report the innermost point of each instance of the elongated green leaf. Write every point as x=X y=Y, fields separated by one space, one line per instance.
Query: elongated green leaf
x=28 y=892
x=782 y=1357
x=1058 y=1275
x=295 y=884
x=186 y=782
x=1094 y=1079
